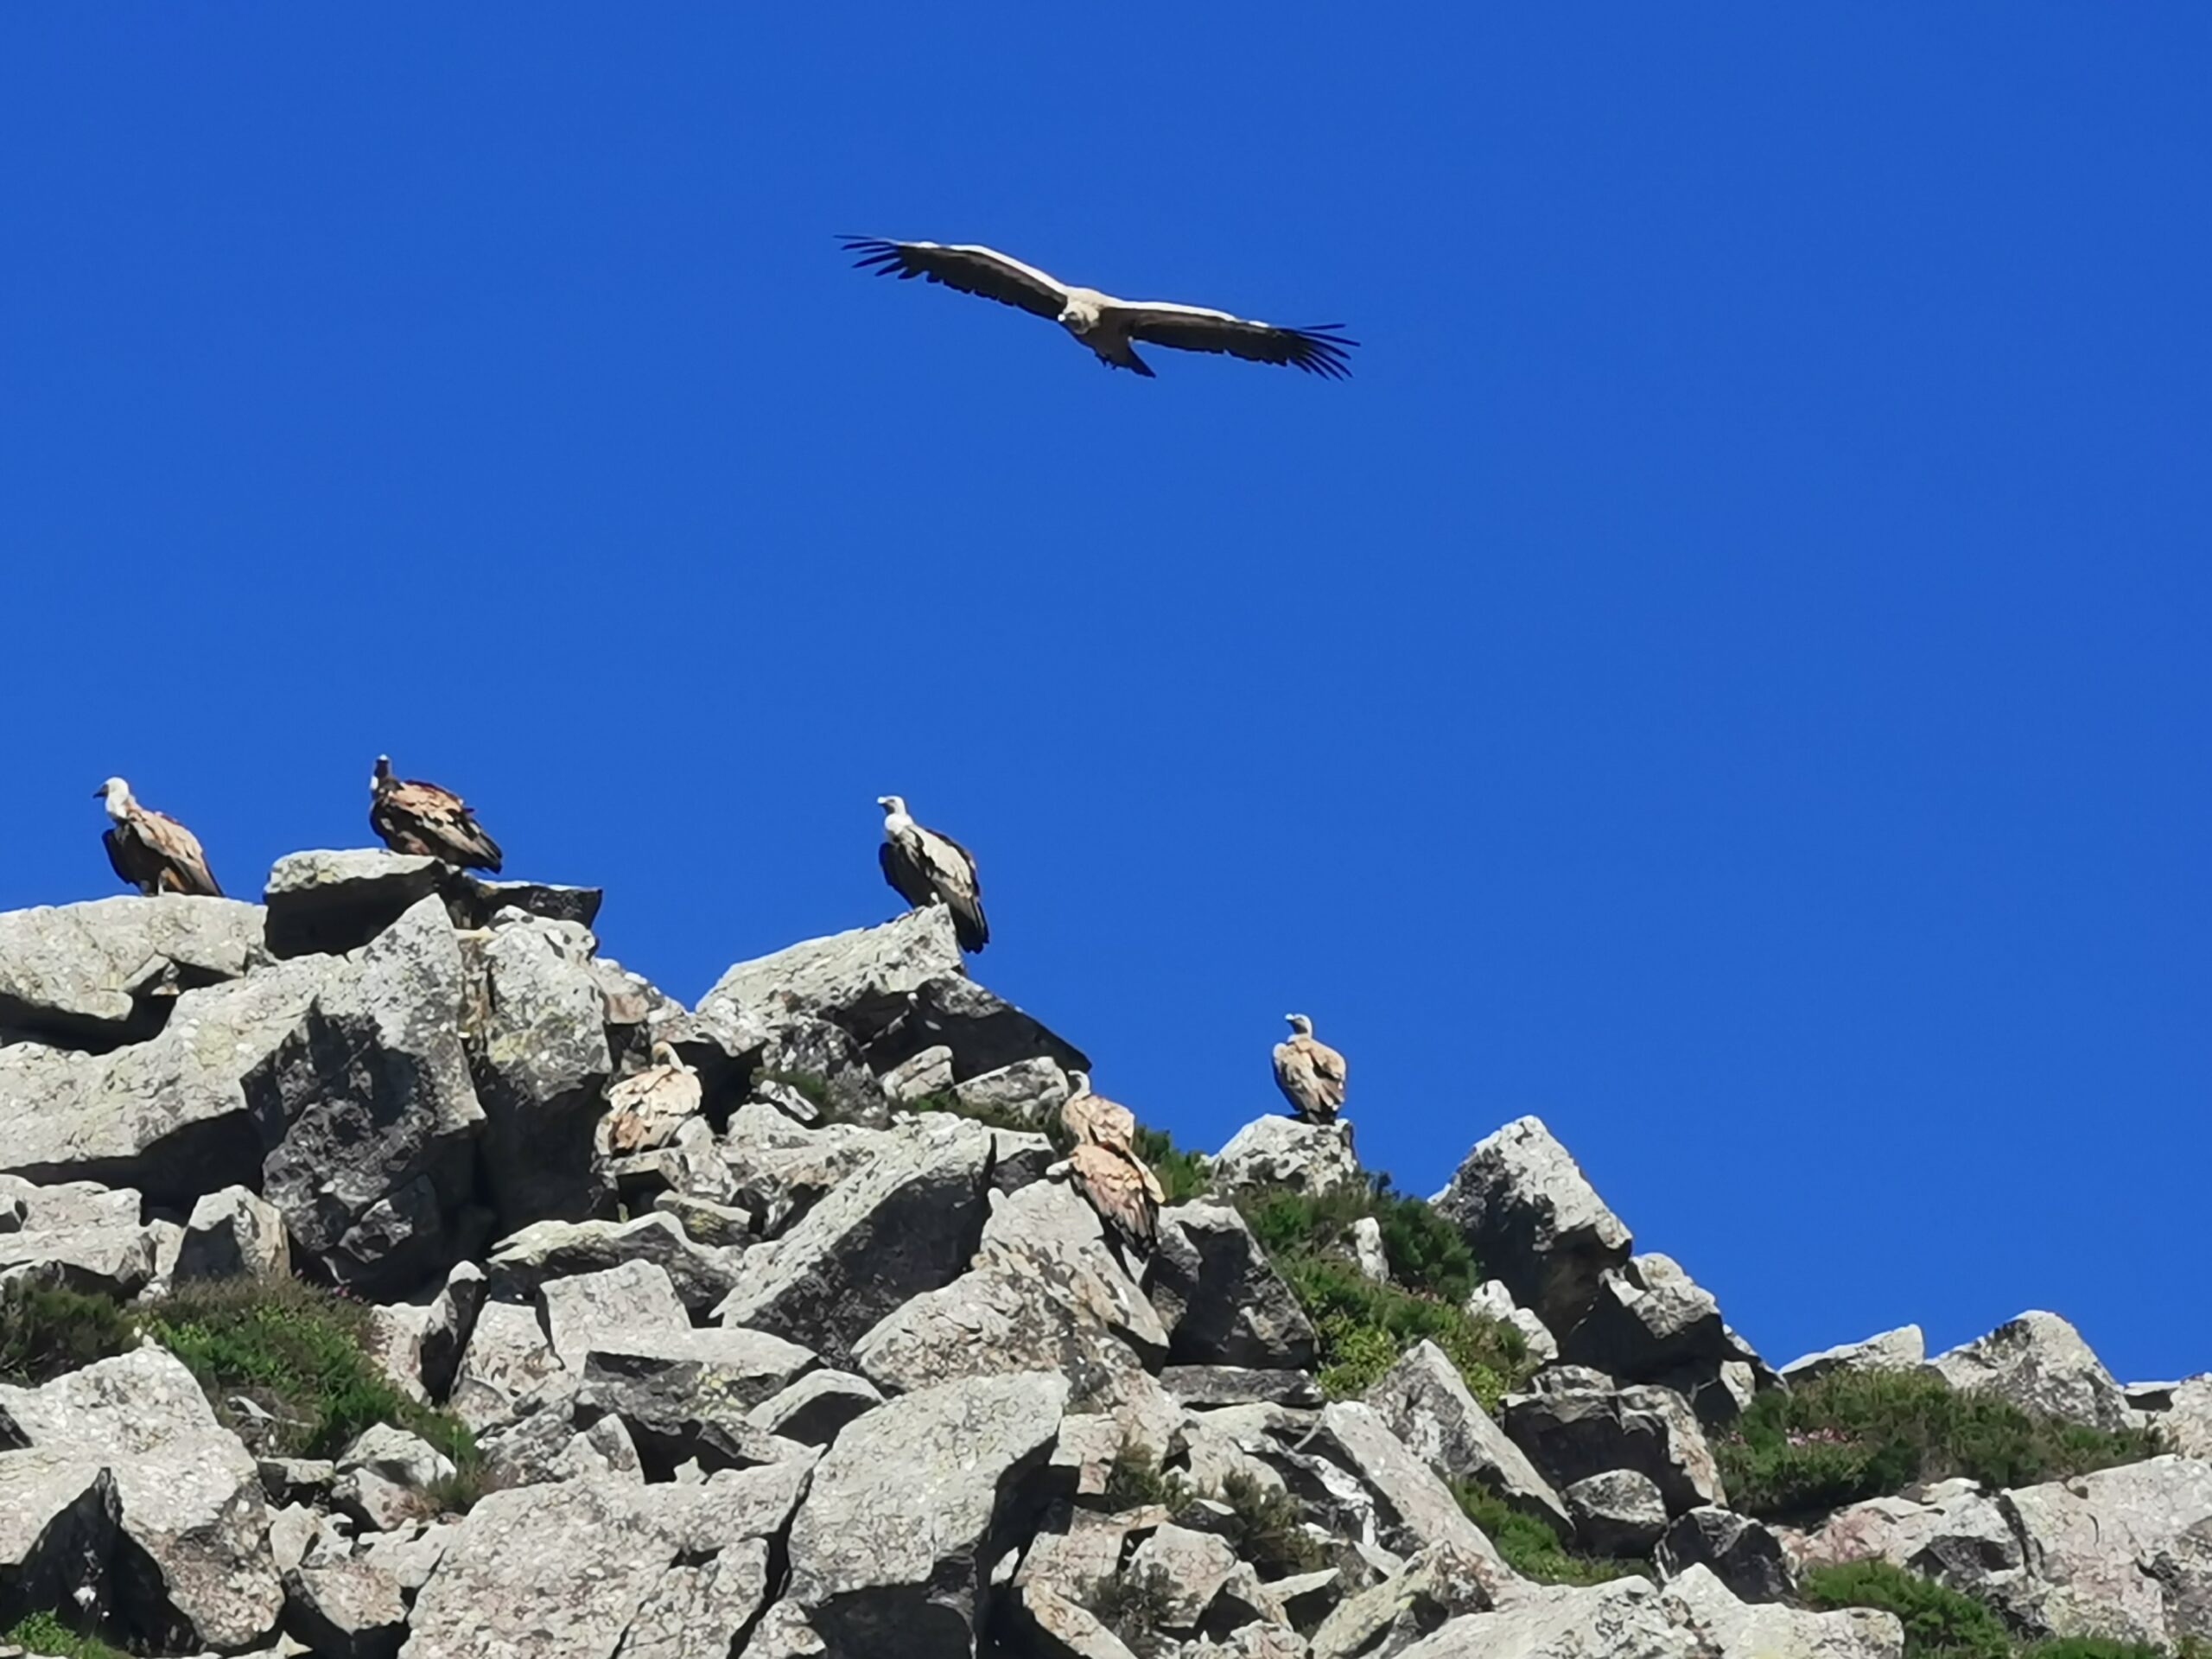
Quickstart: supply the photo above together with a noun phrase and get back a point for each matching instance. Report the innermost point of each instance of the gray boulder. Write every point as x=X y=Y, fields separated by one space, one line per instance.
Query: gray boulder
x=329 y=903
x=92 y=976
x=507 y=1358
x=1027 y=1092
x=186 y=1495
x=385 y=1475
x=588 y=1569
x=631 y=1307
x=1742 y=1554
x=1588 y=1427
x=475 y=902
x=891 y=1551
x=1618 y=1513
x=2186 y=1419
x=1201 y=1387
x=1435 y=1586
x=75 y=1235
x=1491 y=1300
x=906 y=1223
x=561 y=1249
x=1283 y=1152
x=2040 y=1363
x=233 y=1233
x=815 y=1410
x=60 y=1526
x=373 y=1114
x=1424 y=1402
x=446 y=1328
x=1415 y=1510
x=1772 y=1631
x=1220 y=1299
x=860 y=979
x=822 y=1063
x=1368 y=1251
x=1530 y=1216
x=1190 y=1569
x=779 y=1169
x=984 y=1031
x=1635 y=1334
x=344 y=1609
x=1902 y=1350
x=695 y=1408
x=918 y=1076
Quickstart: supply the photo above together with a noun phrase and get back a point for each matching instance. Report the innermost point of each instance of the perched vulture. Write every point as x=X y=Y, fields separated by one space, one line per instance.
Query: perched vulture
x=1123 y=1191
x=644 y=1110
x=1109 y=327
x=418 y=817
x=1093 y=1120
x=928 y=868
x=1309 y=1072
x=150 y=850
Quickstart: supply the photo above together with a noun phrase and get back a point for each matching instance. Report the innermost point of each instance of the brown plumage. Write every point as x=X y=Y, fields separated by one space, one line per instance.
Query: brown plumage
x=645 y=1109
x=410 y=816
x=150 y=850
x=1310 y=1073
x=1120 y=1189
x=1093 y=1120
x=927 y=866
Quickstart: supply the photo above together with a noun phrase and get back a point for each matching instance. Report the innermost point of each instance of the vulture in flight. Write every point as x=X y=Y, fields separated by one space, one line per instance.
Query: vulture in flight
x=645 y=1110
x=928 y=869
x=1310 y=1073
x=417 y=818
x=1109 y=327
x=150 y=850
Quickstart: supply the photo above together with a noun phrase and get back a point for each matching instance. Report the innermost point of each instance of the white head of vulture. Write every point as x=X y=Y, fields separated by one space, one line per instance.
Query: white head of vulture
x=150 y=850
x=926 y=868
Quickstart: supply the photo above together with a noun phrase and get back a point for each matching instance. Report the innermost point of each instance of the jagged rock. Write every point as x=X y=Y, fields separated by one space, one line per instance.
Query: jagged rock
x=1435 y=1585
x=1578 y=1428
x=1367 y=1251
x=1049 y=1230
x=906 y=1223
x=780 y=1170
x=1530 y=1216
x=77 y=1235
x=345 y=1609
x=1902 y=1350
x=1632 y=1619
x=1739 y=1552
x=909 y=1508
x=1283 y=1152
x=859 y=979
x=385 y=1476
x=984 y=1031
x=823 y=1063
x=474 y=902
x=168 y=1116
x=1492 y=1301
x=918 y=1077
x=1424 y=1402
x=447 y=1326
x=376 y=1160
x=1029 y=1091
x=691 y=1399
x=542 y=1069
x=1192 y=1568
x=571 y=1571
x=2040 y=1363
x=333 y=902
x=814 y=1410
x=1619 y=1512
x=1768 y=1631
x=1415 y=1510
x=1220 y=1299
x=562 y=1249
x=231 y=1234
x=185 y=1492
x=1202 y=1386
x=2187 y=1421
x=1635 y=1334
x=723 y=1226
x=631 y=1307
x=393 y=1342
x=508 y=1356
x=95 y=974
x=61 y=1520
x=295 y=1480
x=1055 y=1626
x=542 y=1442
x=410 y=1554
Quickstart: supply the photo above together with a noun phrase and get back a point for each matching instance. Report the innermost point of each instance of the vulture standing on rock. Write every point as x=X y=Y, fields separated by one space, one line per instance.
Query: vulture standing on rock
x=421 y=818
x=1310 y=1073
x=927 y=868
x=645 y=1110
x=1103 y=323
x=1094 y=1120
x=152 y=851
x=1104 y=1163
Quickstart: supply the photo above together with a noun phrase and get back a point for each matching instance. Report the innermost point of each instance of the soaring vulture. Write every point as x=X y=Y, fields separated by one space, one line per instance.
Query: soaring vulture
x=1123 y=1191
x=645 y=1110
x=1093 y=1120
x=417 y=818
x=1109 y=327
x=1310 y=1073
x=150 y=850
x=928 y=869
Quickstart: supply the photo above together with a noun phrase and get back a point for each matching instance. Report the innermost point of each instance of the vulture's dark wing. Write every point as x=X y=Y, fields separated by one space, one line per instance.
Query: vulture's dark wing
x=907 y=879
x=1318 y=350
x=127 y=855
x=971 y=270
x=421 y=819
x=953 y=867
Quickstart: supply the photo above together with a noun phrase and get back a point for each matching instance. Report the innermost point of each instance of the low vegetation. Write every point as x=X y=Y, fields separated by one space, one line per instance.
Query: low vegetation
x=1530 y=1547
x=994 y=1117
x=1133 y=1604
x=1860 y=1434
x=42 y=1633
x=1267 y=1529
x=1363 y=1327
x=46 y=1331
x=1136 y=1481
x=1426 y=1253
x=1183 y=1175
x=1939 y=1623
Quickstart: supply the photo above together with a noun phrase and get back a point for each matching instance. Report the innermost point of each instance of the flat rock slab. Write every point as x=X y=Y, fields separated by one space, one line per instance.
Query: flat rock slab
x=328 y=903
x=860 y=979
x=100 y=974
x=1904 y=1348
x=561 y=1249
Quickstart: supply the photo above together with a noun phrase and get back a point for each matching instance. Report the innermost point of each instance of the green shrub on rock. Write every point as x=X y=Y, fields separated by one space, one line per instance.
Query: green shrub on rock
x=47 y=1332
x=1529 y=1547
x=1939 y=1623
x=1363 y=1327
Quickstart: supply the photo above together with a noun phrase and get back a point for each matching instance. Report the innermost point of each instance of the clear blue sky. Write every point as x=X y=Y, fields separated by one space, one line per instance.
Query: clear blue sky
x=1728 y=675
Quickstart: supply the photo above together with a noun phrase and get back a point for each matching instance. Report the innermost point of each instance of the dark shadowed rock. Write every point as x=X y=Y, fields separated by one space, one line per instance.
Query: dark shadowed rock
x=905 y=1224
x=333 y=902
x=1522 y=1204
x=1414 y=1509
x=910 y=1506
x=2040 y=1363
x=1219 y=1297
x=814 y=1409
x=60 y=1527
x=823 y=1063
x=92 y=976
x=1636 y=1335
x=1618 y=1513
x=1742 y=1554
x=1586 y=1428
x=1282 y=1152
x=1435 y=1585
x=446 y=1328
x=234 y=1234
x=694 y=1407
x=984 y=1031
x=474 y=902
x=1425 y=1403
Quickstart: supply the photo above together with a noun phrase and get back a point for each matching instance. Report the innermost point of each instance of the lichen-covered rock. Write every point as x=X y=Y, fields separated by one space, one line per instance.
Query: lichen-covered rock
x=906 y=1223
x=1619 y=1512
x=447 y=1324
x=814 y=1410
x=332 y=902
x=691 y=1400
x=562 y=1249
x=1425 y=1403
x=1904 y=1348
x=1587 y=1427
x=1435 y=1585
x=1220 y=1299
x=1284 y=1152
x=1206 y=1386
x=1769 y=1631
x=507 y=1358
x=344 y=1609
x=385 y=1475
x=891 y=1551
x=628 y=1308
x=1191 y=1568
x=1029 y=1091
x=2040 y=1363
x=1739 y=1552
x=76 y=1235
x=1416 y=1510
x=1490 y=1300
x=860 y=979
x=106 y=972
x=984 y=1031
x=1533 y=1219
x=234 y=1234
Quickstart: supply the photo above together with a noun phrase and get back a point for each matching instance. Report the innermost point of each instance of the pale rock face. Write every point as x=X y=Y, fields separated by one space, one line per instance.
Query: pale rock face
x=2039 y=1362
x=98 y=974
x=1902 y=1350
x=1425 y=1403
x=1277 y=1151
x=1534 y=1220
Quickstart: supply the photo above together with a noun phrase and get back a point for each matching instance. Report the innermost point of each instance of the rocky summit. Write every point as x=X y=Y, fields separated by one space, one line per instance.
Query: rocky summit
x=340 y=1314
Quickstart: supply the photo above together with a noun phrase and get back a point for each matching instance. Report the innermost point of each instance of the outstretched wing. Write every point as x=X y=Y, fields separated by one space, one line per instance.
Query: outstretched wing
x=1321 y=349
x=970 y=268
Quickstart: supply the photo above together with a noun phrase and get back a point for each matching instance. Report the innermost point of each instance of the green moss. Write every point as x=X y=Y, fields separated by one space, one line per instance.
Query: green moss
x=1860 y=1434
x=1363 y=1327
x=45 y=1332
x=42 y=1633
x=1939 y=1623
x=1529 y=1547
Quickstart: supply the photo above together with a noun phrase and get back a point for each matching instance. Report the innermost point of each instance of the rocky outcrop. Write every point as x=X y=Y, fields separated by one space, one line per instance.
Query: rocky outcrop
x=1534 y=1221
x=1286 y=1153
x=98 y=975
x=1902 y=1350
x=1219 y=1298
x=1424 y=1401
x=1582 y=1425
x=2040 y=1363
